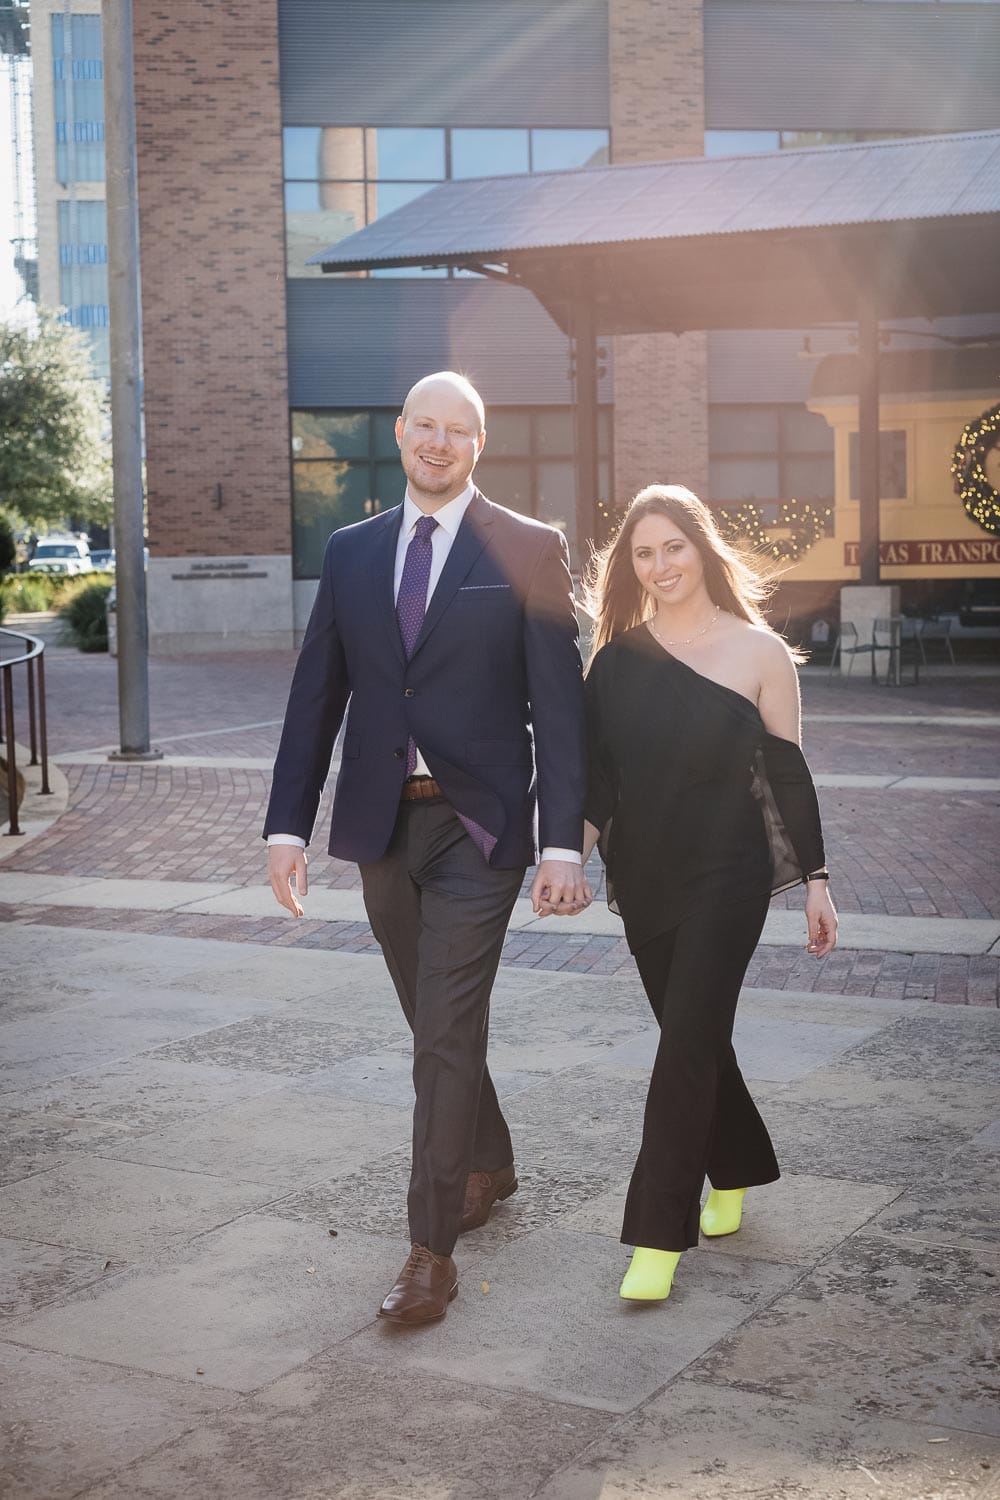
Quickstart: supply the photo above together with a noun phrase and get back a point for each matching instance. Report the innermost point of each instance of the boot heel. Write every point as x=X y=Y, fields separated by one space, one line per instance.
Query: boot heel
x=453 y=1293
x=508 y=1190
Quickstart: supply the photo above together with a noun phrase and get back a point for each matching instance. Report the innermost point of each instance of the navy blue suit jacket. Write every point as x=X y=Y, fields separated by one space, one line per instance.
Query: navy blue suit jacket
x=493 y=693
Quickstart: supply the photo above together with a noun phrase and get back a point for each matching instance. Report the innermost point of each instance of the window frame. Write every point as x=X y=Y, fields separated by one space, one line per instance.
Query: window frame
x=782 y=455
x=369 y=185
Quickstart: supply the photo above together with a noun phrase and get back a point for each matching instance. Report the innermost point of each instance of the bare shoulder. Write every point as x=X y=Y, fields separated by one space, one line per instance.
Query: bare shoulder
x=761 y=646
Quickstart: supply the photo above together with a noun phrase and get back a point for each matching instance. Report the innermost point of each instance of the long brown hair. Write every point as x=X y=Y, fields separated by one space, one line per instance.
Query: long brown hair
x=616 y=600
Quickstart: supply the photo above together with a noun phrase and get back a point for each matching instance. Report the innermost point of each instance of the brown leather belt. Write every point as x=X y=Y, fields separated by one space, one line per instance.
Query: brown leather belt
x=419 y=789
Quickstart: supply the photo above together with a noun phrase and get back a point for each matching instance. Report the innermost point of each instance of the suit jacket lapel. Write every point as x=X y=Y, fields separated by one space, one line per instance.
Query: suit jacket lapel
x=472 y=537
x=383 y=577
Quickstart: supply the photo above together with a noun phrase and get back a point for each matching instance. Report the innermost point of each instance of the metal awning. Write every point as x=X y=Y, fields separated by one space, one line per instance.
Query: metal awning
x=778 y=240
x=787 y=239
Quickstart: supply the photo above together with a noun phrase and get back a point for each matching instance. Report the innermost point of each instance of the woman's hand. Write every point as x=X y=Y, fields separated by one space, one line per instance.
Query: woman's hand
x=821 y=917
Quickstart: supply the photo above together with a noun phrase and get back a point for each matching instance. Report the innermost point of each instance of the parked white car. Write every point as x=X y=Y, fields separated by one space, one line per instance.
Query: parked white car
x=64 y=554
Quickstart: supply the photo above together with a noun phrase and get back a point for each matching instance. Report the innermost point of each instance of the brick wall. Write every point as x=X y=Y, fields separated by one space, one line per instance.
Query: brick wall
x=211 y=228
x=657 y=112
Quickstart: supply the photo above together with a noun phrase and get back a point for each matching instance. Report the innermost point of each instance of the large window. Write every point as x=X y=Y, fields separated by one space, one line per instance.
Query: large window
x=339 y=178
x=768 y=453
x=345 y=466
x=78 y=83
x=83 y=273
x=750 y=142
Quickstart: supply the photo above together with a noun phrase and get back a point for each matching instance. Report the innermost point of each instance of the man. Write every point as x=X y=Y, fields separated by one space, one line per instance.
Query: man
x=448 y=626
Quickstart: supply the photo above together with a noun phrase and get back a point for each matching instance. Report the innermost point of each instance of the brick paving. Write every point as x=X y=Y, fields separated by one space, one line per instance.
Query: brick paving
x=903 y=853
x=186 y=696
x=901 y=750
x=894 y=852
x=214 y=692
x=947 y=979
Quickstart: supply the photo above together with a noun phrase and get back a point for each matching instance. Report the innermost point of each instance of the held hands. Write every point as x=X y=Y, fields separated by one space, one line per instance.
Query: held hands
x=821 y=916
x=285 y=863
x=560 y=889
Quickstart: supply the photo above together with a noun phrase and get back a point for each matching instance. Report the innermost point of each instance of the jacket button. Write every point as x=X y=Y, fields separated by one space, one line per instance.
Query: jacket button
x=409 y=693
x=398 y=754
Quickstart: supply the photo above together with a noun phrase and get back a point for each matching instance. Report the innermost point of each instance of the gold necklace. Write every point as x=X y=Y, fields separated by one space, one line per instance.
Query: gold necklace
x=691 y=638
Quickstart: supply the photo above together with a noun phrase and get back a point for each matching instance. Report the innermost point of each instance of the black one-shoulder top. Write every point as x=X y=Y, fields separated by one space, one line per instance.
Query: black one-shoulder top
x=695 y=800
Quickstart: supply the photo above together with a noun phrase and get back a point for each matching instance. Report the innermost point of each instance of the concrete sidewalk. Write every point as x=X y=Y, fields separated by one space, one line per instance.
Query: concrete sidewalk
x=206 y=1115
x=205 y=1166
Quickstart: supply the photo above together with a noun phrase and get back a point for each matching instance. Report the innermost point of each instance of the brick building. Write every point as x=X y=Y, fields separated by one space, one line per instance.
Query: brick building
x=267 y=129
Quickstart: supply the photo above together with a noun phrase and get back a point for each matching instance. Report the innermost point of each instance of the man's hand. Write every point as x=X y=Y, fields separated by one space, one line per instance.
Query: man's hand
x=560 y=889
x=285 y=861
x=821 y=916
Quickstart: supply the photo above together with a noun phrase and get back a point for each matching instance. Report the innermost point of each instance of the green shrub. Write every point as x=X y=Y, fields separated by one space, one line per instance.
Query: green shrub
x=25 y=593
x=83 y=614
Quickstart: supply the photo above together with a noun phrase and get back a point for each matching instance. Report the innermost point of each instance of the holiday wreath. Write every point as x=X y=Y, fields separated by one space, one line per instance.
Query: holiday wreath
x=978 y=494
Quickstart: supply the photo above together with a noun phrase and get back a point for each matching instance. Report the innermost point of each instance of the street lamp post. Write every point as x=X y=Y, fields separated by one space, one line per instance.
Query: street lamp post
x=126 y=389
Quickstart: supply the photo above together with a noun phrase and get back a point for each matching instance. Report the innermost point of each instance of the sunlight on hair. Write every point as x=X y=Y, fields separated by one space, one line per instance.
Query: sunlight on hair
x=737 y=580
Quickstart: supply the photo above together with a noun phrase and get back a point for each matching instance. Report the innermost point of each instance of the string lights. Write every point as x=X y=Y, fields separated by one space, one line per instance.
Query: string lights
x=804 y=523
x=972 y=484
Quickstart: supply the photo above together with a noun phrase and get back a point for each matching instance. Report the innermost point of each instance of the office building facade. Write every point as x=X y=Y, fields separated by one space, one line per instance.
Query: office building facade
x=269 y=129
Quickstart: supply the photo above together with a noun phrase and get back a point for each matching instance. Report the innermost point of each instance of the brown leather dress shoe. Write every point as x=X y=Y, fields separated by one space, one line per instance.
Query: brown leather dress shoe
x=481 y=1192
x=426 y=1284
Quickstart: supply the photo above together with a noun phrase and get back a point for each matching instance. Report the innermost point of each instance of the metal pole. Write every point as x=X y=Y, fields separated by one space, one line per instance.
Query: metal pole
x=8 y=702
x=126 y=395
x=43 y=731
x=32 y=723
x=869 y=474
x=585 y=421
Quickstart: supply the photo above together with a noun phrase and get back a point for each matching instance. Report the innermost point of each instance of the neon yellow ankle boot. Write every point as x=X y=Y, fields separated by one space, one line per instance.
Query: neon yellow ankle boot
x=723 y=1211
x=650 y=1275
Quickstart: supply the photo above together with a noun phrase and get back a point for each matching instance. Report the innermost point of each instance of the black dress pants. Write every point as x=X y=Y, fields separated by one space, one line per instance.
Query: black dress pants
x=700 y=1118
x=440 y=913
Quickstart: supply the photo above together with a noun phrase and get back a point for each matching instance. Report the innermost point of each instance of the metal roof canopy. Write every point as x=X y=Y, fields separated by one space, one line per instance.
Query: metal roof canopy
x=787 y=239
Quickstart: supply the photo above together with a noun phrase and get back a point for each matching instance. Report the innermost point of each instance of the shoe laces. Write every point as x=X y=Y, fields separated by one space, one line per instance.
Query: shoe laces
x=418 y=1258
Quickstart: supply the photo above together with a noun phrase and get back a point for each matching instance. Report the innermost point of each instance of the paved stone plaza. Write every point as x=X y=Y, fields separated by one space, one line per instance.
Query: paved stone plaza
x=205 y=1110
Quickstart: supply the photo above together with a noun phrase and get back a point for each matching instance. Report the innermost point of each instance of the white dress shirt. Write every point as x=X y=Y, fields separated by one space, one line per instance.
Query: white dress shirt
x=449 y=518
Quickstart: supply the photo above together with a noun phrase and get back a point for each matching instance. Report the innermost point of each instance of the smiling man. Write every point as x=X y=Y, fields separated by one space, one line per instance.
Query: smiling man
x=445 y=629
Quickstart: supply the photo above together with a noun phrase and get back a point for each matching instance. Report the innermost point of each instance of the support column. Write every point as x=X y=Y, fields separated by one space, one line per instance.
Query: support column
x=126 y=390
x=658 y=112
x=863 y=603
x=869 y=475
x=208 y=104
x=585 y=425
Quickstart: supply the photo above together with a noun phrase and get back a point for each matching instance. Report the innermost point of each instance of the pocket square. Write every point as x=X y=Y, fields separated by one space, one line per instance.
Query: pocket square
x=482 y=588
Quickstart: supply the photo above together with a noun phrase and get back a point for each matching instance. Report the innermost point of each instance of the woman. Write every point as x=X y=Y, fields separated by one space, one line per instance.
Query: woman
x=703 y=805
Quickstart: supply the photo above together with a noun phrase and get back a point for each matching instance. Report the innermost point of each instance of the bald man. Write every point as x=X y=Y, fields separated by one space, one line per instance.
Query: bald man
x=445 y=629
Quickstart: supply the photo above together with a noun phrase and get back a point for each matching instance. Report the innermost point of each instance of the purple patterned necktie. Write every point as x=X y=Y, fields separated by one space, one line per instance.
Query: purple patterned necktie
x=411 y=601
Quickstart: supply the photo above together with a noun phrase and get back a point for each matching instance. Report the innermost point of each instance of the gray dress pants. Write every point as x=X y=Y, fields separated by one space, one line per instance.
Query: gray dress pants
x=440 y=913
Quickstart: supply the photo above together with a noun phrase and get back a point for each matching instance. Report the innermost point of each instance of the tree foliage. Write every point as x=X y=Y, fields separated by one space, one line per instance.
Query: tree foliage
x=55 y=459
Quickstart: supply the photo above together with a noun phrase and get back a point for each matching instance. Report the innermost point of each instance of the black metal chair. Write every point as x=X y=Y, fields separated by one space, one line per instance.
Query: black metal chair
x=889 y=635
x=848 y=644
x=935 y=630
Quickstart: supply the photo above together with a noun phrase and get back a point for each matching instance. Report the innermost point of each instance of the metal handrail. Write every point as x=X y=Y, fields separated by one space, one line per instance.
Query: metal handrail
x=33 y=661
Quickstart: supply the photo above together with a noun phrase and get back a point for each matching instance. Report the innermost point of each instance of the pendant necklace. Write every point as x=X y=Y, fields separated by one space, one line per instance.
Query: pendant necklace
x=691 y=638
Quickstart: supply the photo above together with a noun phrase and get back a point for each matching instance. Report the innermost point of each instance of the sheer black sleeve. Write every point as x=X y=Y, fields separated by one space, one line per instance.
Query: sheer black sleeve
x=791 y=810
